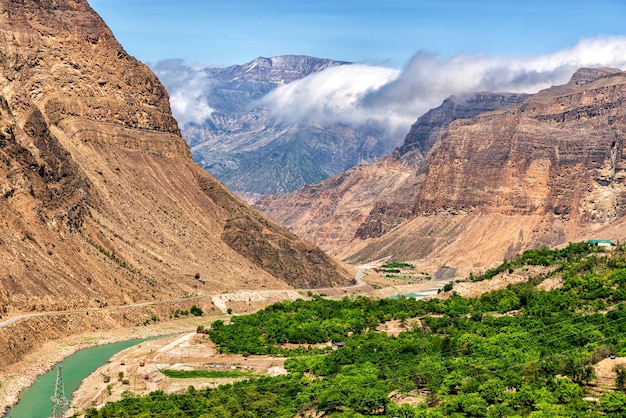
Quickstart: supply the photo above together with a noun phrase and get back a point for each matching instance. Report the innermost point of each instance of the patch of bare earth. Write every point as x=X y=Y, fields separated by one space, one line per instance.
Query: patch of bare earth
x=394 y=327
x=502 y=280
x=320 y=346
x=551 y=283
x=412 y=398
x=605 y=376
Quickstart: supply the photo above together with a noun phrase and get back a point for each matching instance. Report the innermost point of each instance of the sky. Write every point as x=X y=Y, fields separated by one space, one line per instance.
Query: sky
x=225 y=32
x=409 y=55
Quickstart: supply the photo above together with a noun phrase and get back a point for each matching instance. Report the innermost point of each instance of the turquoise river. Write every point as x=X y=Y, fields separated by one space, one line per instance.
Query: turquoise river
x=34 y=402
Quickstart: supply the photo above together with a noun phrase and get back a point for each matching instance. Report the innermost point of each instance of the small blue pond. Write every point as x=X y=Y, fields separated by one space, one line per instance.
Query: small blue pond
x=416 y=295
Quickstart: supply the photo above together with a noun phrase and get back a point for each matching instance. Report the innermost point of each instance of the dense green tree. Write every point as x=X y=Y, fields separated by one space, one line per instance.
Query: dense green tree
x=519 y=351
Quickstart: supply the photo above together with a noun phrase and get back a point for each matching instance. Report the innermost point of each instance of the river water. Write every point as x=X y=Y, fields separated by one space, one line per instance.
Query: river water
x=35 y=402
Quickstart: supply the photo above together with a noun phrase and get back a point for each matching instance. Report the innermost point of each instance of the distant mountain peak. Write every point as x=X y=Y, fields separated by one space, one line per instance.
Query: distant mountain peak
x=588 y=75
x=299 y=65
x=251 y=152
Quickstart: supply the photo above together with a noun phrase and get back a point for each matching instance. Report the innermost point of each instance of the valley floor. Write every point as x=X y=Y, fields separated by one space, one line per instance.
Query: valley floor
x=20 y=375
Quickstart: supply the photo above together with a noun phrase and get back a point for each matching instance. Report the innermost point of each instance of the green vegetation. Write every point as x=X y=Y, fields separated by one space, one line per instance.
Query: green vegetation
x=400 y=270
x=395 y=265
x=543 y=257
x=186 y=374
x=111 y=255
x=178 y=312
x=196 y=310
x=518 y=351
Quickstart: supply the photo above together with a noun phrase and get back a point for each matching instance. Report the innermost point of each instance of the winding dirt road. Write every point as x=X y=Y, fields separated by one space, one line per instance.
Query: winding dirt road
x=219 y=300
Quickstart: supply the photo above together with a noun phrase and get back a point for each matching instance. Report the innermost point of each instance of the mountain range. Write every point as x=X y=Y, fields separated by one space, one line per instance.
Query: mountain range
x=101 y=204
x=252 y=152
x=478 y=179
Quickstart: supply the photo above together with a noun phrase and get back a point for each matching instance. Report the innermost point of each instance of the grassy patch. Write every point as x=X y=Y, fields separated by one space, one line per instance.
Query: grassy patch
x=188 y=374
x=395 y=264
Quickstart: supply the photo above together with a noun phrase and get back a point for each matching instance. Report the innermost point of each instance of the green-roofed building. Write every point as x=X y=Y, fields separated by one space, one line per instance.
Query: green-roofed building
x=601 y=243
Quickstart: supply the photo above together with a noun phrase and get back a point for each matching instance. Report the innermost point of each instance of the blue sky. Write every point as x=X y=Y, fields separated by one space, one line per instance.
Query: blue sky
x=224 y=32
x=410 y=54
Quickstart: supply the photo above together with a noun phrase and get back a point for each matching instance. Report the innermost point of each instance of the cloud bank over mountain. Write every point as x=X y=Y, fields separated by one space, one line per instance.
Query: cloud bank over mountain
x=332 y=95
x=362 y=94
x=186 y=86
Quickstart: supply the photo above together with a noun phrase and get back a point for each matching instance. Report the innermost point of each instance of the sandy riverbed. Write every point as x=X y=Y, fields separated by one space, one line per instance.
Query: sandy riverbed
x=141 y=366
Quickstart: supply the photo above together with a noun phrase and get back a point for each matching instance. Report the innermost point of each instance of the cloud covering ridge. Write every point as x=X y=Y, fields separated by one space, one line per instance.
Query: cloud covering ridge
x=186 y=86
x=364 y=94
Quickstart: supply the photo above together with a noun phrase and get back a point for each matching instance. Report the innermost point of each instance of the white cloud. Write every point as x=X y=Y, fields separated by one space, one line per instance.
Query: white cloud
x=332 y=95
x=187 y=86
x=361 y=94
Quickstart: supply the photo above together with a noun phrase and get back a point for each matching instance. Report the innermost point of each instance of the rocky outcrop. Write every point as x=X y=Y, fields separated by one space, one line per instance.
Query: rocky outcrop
x=511 y=172
x=370 y=200
x=427 y=130
x=101 y=203
x=559 y=154
x=424 y=134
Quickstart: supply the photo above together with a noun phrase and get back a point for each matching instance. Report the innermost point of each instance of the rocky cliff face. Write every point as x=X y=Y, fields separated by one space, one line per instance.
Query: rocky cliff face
x=243 y=146
x=518 y=173
x=419 y=142
x=100 y=201
x=427 y=130
x=368 y=201
x=559 y=154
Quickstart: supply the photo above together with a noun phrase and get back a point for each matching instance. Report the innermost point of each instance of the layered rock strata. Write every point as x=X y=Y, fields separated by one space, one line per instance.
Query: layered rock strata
x=520 y=172
x=100 y=201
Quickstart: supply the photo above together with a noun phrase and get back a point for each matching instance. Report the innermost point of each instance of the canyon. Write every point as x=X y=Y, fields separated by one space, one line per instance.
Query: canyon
x=107 y=223
x=479 y=179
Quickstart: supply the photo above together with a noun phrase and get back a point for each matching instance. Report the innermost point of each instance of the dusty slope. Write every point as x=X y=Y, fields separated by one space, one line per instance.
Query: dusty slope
x=100 y=201
x=329 y=213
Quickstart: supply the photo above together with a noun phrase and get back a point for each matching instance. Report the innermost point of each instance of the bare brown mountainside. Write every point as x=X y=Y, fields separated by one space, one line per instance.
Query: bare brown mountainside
x=371 y=199
x=100 y=201
x=467 y=190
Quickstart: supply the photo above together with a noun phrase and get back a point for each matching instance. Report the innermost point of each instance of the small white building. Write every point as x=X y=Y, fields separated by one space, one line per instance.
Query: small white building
x=601 y=243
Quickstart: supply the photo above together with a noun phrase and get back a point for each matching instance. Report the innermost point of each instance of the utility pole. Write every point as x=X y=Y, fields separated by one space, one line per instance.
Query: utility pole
x=59 y=403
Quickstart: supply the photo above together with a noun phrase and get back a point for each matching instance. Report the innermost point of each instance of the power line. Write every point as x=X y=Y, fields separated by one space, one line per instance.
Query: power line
x=59 y=403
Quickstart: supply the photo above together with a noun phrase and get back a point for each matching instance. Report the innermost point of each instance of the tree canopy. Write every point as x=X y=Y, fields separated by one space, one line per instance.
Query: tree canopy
x=518 y=351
